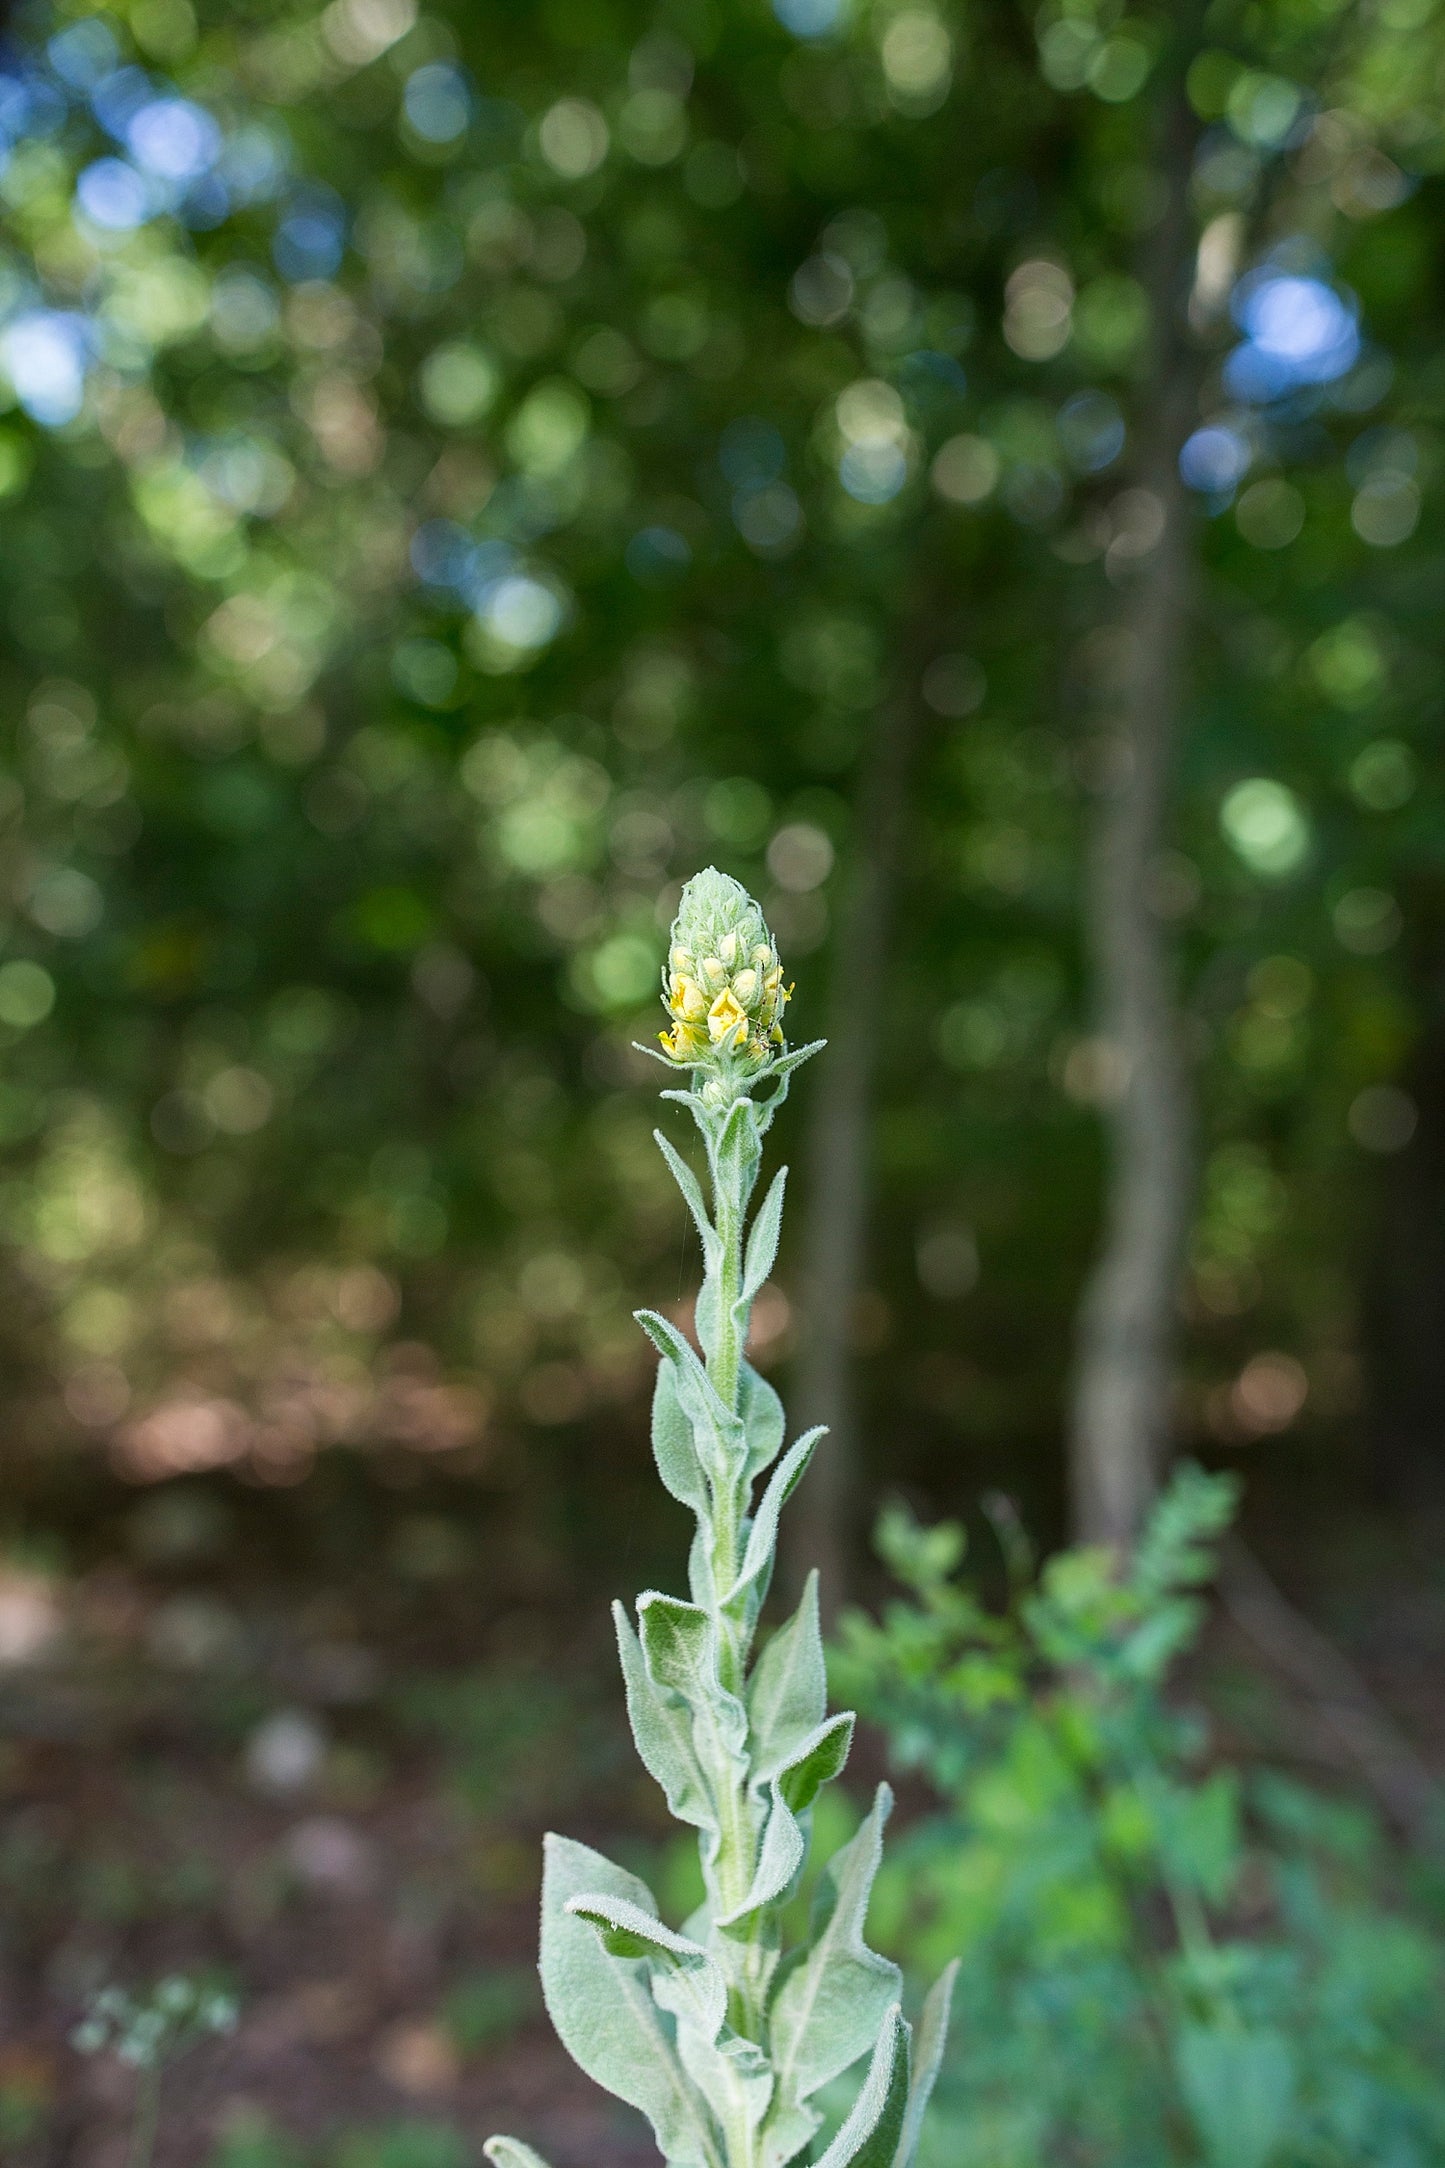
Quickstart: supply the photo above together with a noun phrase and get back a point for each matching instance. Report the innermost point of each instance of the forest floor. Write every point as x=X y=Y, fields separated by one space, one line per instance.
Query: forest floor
x=338 y=1816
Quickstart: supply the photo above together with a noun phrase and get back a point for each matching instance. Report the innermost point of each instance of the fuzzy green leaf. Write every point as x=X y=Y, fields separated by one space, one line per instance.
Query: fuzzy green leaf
x=929 y=2043
x=603 y=2008
x=731 y=2073
x=785 y=1064
x=717 y=1431
x=736 y=1152
x=679 y=1643
x=673 y=1445
x=835 y=1992
x=785 y=2134
x=869 y=2138
x=787 y=1694
x=758 y=1558
x=813 y=1763
x=662 y=1727
x=762 y=1419
x=687 y=1182
x=627 y=1930
x=762 y=1246
x=511 y=2153
x=780 y=1857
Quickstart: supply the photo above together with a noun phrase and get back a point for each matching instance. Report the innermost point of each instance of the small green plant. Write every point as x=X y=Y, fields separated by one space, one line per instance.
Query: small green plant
x=1166 y=1962
x=717 y=2033
x=148 y=2031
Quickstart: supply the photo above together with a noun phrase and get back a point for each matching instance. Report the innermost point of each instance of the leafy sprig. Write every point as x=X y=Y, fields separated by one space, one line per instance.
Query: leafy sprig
x=723 y=2037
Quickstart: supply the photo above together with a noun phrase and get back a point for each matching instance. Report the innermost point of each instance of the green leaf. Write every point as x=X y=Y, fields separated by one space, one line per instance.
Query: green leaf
x=1177 y=1546
x=662 y=1727
x=673 y=1446
x=678 y=1642
x=929 y=2044
x=628 y=1930
x=736 y=1152
x=1239 y=2088
x=757 y=1563
x=785 y=1064
x=869 y=2138
x=762 y=1419
x=835 y=1993
x=780 y=1857
x=732 y=2073
x=680 y=1645
x=762 y=1246
x=717 y=1431
x=688 y=1183
x=787 y=1695
x=813 y=1763
x=511 y=2153
x=603 y=2008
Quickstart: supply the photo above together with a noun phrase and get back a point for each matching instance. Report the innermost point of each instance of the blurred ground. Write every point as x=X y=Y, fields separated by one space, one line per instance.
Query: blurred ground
x=331 y=1798
x=329 y=1793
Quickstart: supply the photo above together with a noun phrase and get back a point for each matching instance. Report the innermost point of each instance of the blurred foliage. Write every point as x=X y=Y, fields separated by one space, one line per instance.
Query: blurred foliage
x=255 y=2143
x=1163 y=1960
x=462 y=469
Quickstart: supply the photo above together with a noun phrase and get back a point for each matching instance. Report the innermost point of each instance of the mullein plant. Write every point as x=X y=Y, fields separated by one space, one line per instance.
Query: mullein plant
x=722 y=2037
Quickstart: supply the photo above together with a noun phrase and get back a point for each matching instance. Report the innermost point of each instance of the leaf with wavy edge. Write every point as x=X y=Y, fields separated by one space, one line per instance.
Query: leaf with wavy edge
x=813 y=1762
x=712 y=1422
x=869 y=2138
x=787 y=1695
x=626 y=1930
x=603 y=2008
x=762 y=1547
x=929 y=2043
x=662 y=1728
x=674 y=1446
x=833 y=1994
x=679 y=1642
x=511 y=2153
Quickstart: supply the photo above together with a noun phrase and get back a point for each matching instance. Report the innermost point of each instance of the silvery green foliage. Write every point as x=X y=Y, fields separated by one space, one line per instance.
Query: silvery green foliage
x=720 y=2036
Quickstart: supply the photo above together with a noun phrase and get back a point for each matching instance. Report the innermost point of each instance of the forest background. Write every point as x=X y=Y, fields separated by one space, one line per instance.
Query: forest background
x=971 y=474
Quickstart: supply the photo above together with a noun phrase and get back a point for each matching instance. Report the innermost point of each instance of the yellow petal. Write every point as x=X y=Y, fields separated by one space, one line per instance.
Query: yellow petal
x=727 y=1019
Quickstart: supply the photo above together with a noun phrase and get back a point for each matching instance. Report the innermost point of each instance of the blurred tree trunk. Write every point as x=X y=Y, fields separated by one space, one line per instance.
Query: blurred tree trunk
x=819 y=1528
x=1120 y=1414
x=1403 y=1296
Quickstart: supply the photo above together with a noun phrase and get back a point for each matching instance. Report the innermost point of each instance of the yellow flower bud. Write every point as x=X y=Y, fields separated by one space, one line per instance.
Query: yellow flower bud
x=683 y=1043
x=727 y=1020
x=723 y=987
x=688 y=1000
